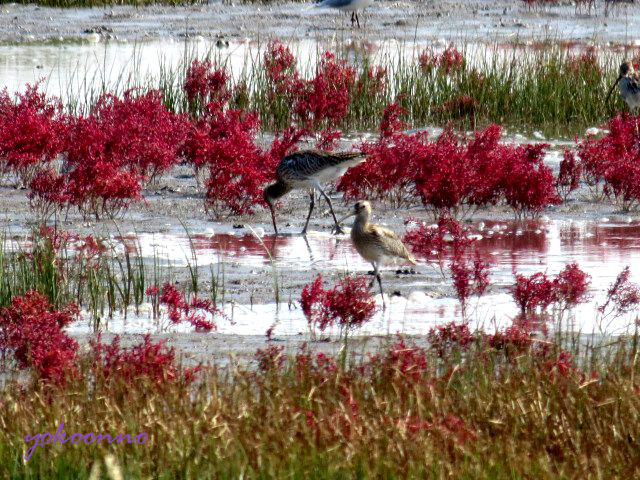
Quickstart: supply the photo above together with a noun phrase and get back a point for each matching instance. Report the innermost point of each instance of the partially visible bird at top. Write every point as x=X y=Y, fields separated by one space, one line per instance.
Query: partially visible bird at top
x=375 y=243
x=628 y=82
x=347 y=6
x=309 y=169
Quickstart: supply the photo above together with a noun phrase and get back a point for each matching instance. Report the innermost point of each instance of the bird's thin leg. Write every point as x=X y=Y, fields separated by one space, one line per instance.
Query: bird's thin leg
x=311 y=205
x=326 y=197
x=376 y=273
x=357 y=19
x=353 y=18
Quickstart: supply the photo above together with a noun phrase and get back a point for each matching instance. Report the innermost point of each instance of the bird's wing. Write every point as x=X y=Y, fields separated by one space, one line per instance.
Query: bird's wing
x=334 y=3
x=307 y=163
x=392 y=245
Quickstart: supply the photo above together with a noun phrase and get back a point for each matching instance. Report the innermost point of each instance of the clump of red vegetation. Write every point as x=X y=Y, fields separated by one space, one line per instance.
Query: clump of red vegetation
x=451 y=175
x=33 y=132
x=148 y=361
x=122 y=144
x=469 y=278
x=613 y=161
x=569 y=176
x=348 y=304
x=450 y=337
x=32 y=329
x=222 y=141
x=271 y=358
x=204 y=84
x=568 y=289
x=179 y=309
x=400 y=361
x=622 y=297
x=449 y=61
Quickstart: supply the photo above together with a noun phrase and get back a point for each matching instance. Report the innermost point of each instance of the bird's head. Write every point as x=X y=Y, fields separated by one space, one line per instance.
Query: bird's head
x=362 y=207
x=270 y=195
x=625 y=69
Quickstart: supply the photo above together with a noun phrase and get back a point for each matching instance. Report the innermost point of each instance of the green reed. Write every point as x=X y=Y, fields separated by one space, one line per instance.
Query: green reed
x=541 y=87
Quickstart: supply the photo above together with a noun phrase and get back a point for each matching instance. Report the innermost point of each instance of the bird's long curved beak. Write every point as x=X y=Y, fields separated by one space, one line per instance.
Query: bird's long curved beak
x=345 y=217
x=612 y=87
x=273 y=218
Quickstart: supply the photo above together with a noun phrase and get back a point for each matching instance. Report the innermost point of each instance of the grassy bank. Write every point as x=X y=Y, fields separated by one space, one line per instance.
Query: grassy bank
x=405 y=413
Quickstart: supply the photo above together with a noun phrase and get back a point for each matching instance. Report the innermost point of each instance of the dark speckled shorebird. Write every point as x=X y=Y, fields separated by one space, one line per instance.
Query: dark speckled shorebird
x=309 y=169
x=628 y=82
x=375 y=243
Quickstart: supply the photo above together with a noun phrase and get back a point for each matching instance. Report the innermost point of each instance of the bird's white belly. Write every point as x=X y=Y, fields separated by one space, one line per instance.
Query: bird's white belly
x=633 y=101
x=328 y=174
x=355 y=5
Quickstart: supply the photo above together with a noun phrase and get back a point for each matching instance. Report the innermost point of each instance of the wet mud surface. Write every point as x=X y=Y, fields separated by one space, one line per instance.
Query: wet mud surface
x=446 y=21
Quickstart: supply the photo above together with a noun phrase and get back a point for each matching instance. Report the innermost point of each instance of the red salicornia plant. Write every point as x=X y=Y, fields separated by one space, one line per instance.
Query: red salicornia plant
x=121 y=145
x=451 y=175
x=148 y=361
x=199 y=312
x=622 y=297
x=348 y=304
x=32 y=331
x=613 y=161
x=33 y=132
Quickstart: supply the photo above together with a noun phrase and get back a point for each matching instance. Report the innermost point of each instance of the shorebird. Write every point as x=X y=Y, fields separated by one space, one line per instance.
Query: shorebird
x=629 y=84
x=375 y=243
x=308 y=169
x=347 y=6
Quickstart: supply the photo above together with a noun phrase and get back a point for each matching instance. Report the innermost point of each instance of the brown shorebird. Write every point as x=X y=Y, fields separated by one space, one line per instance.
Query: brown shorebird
x=375 y=243
x=628 y=82
x=308 y=169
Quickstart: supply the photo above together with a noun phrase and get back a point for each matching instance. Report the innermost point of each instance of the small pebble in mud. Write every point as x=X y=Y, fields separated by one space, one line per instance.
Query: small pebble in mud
x=396 y=293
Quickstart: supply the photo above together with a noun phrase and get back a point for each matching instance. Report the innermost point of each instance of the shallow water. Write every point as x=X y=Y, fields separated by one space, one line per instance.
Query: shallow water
x=602 y=249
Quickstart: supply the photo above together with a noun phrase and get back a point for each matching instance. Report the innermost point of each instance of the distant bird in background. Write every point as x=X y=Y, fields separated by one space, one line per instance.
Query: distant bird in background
x=375 y=243
x=308 y=169
x=629 y=84
x=347 y=6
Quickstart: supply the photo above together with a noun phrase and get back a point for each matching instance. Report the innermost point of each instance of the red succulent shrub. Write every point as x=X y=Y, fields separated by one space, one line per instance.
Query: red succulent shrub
x=271 y=358
x=614 y=161
x=568 y=289
x=469 y=278
x=280 y=65
x=399 y=361
x=532 y=292
x=179 y=309
x=204 y=84
x=569 y=176
x=326 y=97
x=148 y=361
x=223 y=141
x=349 y=303
x=528 y=185
x=451 y=175
x=445 y=338
x=571 y=286
x=513 y=340
x=623 y=296
x=311 y=301
x=33 y=330
x=33 y=132
x=450 y=60
x=111 y=153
